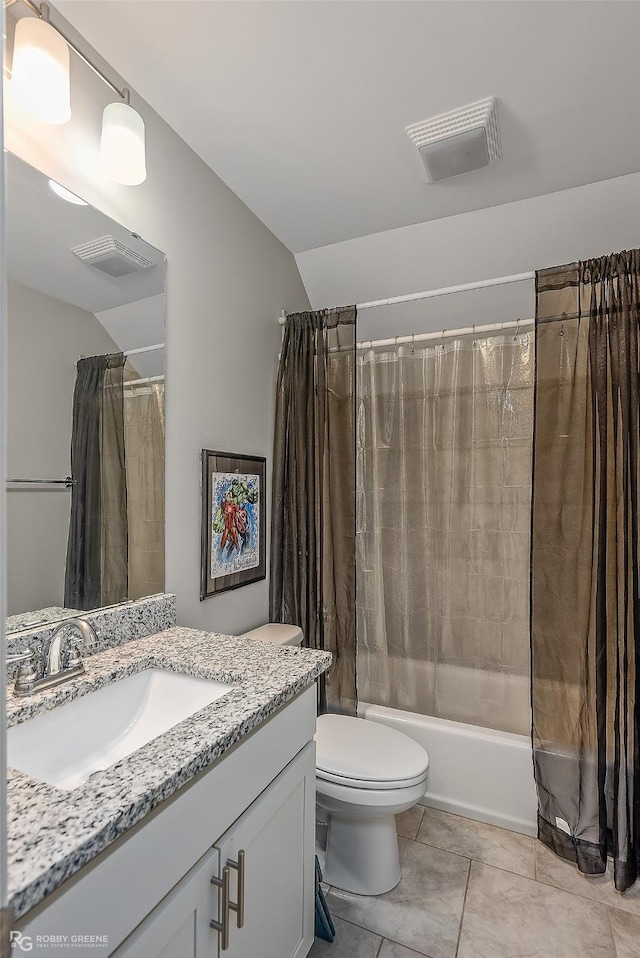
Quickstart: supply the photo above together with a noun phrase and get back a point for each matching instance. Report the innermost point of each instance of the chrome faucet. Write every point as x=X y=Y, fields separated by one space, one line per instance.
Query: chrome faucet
x=56 y=664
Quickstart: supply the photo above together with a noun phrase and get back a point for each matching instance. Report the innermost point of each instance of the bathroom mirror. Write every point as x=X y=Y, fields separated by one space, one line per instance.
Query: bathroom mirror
x=80 y=285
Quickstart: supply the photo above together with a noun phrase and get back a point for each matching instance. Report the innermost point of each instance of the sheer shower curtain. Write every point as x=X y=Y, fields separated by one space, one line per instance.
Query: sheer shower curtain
x=144 y=438
x=443 y=516
x=585 y=609
x=312 y=569
x=96 y=564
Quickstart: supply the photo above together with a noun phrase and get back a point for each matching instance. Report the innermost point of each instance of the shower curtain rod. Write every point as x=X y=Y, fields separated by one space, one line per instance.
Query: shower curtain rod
x=142 y=382
x=442 y=291
x=135 y=352
x=446 y=290
x=143 y=349
x=516 y=324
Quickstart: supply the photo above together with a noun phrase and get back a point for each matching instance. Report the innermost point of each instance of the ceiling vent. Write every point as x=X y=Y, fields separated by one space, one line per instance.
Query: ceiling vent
x=111 y=256
x=460 y=141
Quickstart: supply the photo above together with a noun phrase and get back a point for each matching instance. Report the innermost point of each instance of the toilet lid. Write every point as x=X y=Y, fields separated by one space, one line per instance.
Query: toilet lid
x=367 y=754
x=277 y=632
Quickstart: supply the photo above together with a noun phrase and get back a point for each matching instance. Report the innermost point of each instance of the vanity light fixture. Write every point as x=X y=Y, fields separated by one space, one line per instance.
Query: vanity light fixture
x=40 y=73
x=122 y=148
x=41 y=63
x=66 y=194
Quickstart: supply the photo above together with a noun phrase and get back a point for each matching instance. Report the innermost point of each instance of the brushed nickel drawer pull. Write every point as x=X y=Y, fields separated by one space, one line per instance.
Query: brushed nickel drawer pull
x=222 y=926
x=238 y=906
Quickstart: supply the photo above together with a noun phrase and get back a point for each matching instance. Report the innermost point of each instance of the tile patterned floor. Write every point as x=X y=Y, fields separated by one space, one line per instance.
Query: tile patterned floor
x=470 y=890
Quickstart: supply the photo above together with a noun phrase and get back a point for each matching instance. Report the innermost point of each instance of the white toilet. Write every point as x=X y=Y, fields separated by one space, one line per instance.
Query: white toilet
x=366 y=775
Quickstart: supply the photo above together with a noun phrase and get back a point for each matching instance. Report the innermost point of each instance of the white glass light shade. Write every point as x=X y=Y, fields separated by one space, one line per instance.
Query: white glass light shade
x=122 y=149
x=40 y=71
x=66 y=194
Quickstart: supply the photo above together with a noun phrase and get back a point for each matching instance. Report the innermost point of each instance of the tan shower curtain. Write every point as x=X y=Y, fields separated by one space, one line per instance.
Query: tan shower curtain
x=114 y=517
x=96 y=563
x=443 y=515
x=312 y=572
x=585 y=607
x=144 y=436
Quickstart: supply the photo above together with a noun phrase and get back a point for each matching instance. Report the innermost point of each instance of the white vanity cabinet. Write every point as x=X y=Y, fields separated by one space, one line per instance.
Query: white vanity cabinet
x=252 y=812
x=268 y=884
x=179 y=926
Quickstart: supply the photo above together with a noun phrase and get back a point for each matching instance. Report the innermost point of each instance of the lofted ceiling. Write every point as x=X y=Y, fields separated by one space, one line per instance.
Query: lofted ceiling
x=300 y=107
x=41 y=231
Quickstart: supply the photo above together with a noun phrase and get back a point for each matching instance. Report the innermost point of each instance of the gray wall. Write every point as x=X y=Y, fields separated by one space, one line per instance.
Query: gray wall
x=516 y=237
x=45 y=339
x=228 y=278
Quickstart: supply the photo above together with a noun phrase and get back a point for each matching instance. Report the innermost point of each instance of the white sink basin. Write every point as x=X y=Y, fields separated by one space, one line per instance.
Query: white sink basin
x=65 y=746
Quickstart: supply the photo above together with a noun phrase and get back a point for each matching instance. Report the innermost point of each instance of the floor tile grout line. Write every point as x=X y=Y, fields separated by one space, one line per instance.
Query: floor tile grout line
x=613 y=937
x=480 y=861
x=560 y=888
x=383 y=938
x=394 y=941
x=623 y=911
x=464 y=905
x=547 y=884
x=422 y=841
x=364 y=928
x=476 y=821
x=437 y=847
x=594 y=901
x=539 y=881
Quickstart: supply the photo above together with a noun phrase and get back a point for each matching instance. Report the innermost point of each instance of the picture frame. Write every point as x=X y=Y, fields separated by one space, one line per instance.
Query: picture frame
x=233 y=538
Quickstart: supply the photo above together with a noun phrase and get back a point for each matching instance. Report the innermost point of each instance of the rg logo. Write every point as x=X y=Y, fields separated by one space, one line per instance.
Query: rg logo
x=23 y=942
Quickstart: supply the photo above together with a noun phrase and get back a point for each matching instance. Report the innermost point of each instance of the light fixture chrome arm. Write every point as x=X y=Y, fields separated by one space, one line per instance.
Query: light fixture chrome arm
x=43 y=12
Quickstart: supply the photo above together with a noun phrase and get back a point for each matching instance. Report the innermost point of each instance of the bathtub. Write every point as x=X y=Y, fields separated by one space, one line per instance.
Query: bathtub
x=477 y=772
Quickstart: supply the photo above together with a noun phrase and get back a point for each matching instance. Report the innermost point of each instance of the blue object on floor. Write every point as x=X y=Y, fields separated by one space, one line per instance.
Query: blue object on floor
x=325 y=928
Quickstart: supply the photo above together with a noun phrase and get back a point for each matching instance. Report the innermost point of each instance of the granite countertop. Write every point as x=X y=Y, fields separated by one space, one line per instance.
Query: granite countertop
x=39 y=617
x=52 y=833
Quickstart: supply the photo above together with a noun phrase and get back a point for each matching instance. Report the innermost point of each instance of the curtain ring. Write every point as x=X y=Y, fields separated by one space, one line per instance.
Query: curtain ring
x=413 y=344
x=474 y=335
x=517 y=332
x=564 y=316
x=444 y=333
x=395 y=340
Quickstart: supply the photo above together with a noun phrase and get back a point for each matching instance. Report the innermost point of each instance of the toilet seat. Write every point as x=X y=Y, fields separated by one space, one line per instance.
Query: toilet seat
x=379 y=784
x=356 y=753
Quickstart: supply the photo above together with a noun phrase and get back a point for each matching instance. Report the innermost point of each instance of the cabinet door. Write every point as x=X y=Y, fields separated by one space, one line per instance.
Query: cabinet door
x=179 y=926
x=276 y=834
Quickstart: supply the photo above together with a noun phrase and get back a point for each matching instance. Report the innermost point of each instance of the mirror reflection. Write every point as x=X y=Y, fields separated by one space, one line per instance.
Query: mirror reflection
x=85 y=423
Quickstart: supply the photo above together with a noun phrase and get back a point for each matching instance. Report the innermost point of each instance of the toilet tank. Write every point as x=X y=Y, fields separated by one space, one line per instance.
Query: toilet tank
x=277 y=633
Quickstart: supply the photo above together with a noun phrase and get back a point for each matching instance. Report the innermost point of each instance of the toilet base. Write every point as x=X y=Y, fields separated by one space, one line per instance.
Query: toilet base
x=362 y=856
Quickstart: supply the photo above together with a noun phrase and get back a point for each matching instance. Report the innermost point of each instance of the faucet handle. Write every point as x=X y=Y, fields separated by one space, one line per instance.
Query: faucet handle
x=12 y=657
x=72 y=657
x=89 y=635
x=26 y=676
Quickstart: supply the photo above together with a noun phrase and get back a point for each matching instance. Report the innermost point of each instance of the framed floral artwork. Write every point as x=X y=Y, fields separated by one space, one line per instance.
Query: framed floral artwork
x=233 y=521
